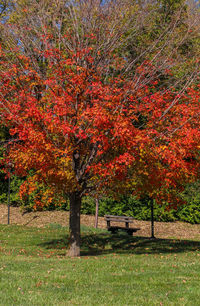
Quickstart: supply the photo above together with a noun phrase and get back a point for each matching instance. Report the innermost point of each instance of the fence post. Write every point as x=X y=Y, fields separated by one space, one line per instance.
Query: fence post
x=152 y=219
x=9 y=197
x=97 y=212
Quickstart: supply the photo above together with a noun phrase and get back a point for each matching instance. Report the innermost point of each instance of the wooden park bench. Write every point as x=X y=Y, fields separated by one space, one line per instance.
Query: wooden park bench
x=125 y=219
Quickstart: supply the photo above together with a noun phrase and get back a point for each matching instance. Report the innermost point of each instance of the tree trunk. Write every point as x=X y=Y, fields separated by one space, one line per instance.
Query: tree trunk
x=74 y=224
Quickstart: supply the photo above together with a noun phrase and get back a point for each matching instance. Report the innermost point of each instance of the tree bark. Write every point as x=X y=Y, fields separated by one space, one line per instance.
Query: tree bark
x=74 y=224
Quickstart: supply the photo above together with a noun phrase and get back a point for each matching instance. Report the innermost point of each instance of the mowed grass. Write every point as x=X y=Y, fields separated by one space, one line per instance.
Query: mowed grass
x=113 y=270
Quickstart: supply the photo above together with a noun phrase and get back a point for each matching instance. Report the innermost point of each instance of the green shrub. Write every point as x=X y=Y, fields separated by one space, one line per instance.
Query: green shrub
x=129 y=206
x=88 y=206
x=190 y=212
x=140 y=209
x=15 y=183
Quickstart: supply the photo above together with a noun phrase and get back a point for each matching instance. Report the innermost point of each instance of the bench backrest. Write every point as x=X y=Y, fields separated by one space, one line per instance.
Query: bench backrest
x=118 y=218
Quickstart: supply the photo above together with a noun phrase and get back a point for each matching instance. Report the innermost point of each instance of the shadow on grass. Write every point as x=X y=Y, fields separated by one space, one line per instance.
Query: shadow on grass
x=121 y=243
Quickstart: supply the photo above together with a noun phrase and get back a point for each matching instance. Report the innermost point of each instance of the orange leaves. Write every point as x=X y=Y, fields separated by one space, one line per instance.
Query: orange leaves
x=146 y=139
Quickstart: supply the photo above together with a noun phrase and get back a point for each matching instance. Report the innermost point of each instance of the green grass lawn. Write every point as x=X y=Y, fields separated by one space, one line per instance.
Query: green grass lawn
x=113 y=270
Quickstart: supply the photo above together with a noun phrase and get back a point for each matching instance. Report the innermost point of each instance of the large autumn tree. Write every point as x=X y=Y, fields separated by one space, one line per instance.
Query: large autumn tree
x=68 y=124
x=76 y=131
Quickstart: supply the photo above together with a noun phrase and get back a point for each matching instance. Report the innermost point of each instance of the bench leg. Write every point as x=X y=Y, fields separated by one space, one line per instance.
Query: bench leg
x=130 y=232
x=113 y=231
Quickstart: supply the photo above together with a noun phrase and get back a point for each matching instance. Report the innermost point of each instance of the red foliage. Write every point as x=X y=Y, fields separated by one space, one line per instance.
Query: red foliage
x=78 y=131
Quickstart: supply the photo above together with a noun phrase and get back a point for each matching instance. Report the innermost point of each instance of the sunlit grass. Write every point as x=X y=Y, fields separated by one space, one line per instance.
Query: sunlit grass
x=113 y=270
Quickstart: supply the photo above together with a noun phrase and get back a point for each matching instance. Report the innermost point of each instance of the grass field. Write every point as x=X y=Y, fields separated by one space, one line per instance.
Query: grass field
x=113 y=270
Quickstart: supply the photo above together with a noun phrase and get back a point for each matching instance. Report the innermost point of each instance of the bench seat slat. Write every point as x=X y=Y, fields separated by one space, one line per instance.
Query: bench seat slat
x=123 y=228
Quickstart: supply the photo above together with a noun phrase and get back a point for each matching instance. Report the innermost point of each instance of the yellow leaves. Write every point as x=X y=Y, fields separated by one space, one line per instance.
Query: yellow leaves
x=48 y=146
x=33 y=84
x=162 y=148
